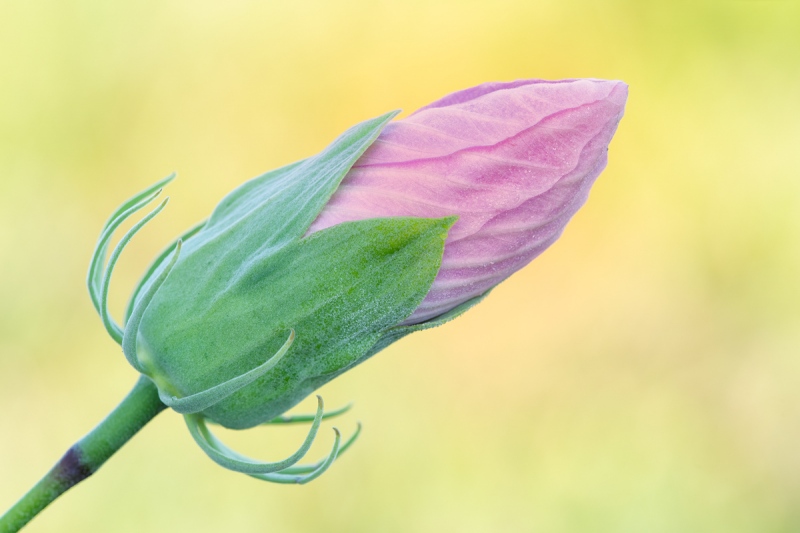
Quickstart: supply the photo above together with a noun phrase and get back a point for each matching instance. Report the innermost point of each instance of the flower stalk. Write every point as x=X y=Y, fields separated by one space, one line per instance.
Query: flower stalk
x=87 y=455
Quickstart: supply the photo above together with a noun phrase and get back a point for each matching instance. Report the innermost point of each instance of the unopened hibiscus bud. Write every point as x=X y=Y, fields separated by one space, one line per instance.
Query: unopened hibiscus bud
x=346 y=250
x=302 y=273
x=308 y=270
x=248 y=281
x=513 y=160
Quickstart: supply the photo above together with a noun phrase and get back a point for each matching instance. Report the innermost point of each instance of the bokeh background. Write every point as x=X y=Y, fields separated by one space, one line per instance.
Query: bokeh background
x=643 y=375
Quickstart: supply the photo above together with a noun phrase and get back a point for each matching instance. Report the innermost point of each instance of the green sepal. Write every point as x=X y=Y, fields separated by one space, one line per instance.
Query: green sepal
x=232 y=460
x=286 y=471
x=305 y=418
x=114 y=329
x=270 y=211
x=307 y=469
x=131 y=333
x=94 y=277
x=278 y=207
x=200 y=401
x=398 y=332
x=156 y=266
x=281 y=477
x=341 y=289
x=302 y=419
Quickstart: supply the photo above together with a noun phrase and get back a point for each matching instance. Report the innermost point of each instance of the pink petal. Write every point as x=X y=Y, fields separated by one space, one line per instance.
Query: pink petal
x=513 y=160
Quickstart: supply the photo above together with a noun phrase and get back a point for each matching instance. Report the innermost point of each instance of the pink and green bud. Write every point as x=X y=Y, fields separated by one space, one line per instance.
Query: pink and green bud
x=303 y=273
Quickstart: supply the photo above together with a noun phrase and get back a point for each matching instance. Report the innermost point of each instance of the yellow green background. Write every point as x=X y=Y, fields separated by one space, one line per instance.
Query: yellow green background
x=642 y=375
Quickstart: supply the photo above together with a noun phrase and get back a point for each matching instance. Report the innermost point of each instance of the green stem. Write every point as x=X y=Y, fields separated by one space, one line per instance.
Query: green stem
x=88 y=454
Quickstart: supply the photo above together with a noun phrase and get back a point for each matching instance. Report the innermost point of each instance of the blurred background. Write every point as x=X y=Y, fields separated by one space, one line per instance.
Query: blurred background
x=641 y=375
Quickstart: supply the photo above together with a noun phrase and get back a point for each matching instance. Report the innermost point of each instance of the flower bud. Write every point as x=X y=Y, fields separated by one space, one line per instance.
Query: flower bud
x=326 y=261
x=248 y=280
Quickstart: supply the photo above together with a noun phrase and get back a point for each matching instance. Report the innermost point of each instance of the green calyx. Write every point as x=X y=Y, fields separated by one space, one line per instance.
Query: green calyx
x=243 y=316
x=340 y=289
x=249 y=275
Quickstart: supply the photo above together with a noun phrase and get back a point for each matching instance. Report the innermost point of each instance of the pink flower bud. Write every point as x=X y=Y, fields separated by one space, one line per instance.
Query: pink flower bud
x=513 y=160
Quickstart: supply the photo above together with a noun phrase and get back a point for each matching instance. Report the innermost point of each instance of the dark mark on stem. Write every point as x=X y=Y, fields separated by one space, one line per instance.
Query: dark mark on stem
x=71 y=469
